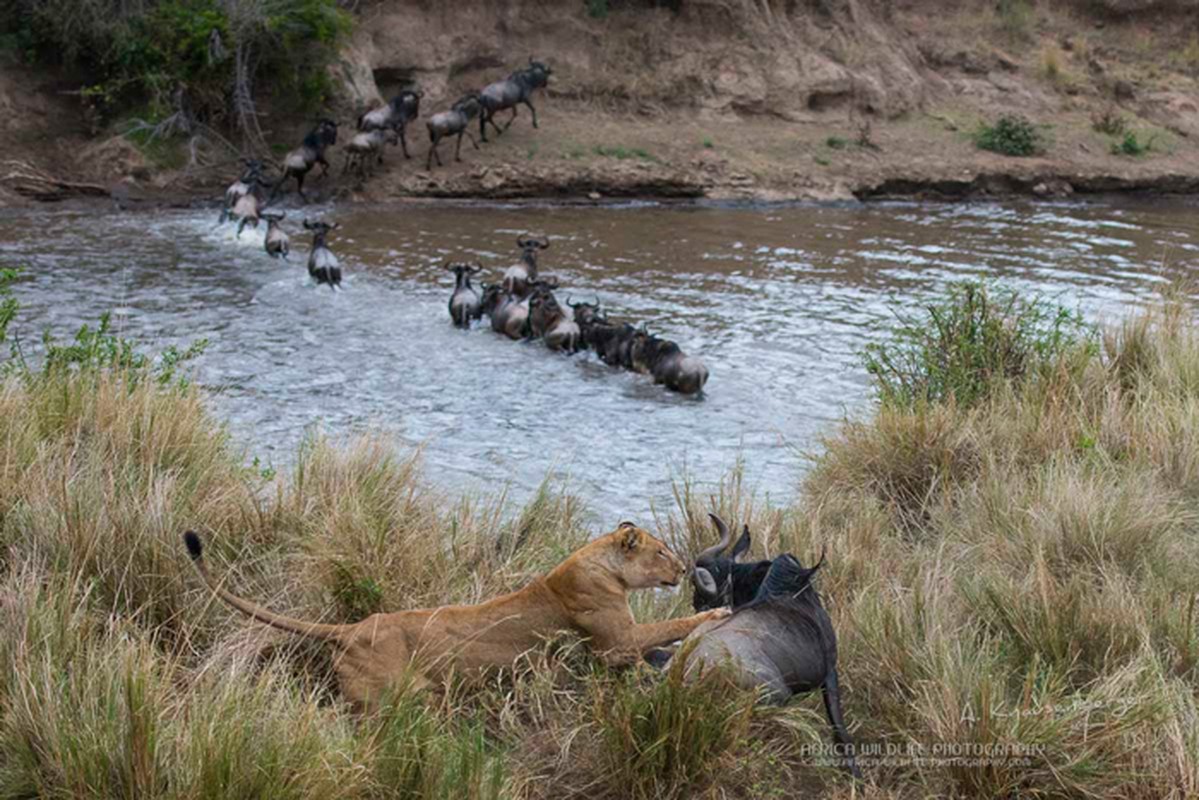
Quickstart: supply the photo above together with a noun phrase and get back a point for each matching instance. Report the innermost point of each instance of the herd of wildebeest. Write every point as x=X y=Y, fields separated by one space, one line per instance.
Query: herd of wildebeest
x=522 y=305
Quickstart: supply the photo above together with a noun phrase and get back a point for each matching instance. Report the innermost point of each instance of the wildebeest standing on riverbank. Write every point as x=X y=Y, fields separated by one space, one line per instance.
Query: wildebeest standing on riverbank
x=517 y=88
x=323 y=265
x=299 y=162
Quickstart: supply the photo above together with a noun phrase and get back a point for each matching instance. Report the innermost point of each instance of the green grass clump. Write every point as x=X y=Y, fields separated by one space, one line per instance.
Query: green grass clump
x=1010 y=135
x=623 y=153
x=976 y=339
x=1131 y=145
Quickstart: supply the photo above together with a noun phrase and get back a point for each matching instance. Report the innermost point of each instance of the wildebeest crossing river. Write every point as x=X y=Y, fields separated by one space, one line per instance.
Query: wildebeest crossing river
x=776 y=300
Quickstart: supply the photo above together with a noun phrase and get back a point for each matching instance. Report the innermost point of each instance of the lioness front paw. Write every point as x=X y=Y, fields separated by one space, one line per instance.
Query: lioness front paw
x=718 y=613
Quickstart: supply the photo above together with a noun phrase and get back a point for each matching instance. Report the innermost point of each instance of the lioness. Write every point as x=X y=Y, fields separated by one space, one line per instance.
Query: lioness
x=588 y=592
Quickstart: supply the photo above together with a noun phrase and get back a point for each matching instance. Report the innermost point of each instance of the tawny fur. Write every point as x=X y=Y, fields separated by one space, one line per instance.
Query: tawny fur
x=588 y=593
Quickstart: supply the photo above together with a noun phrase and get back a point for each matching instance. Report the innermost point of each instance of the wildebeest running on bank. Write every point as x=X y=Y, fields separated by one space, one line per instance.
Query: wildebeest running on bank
x=299 y=162
x=447 y=123
x=510 y=92
x=395 y=116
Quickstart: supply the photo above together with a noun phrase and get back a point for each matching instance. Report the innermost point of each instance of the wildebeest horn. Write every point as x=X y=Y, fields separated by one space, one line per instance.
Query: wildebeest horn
x=477 y=268
x=742 y=545
x=704 y=580
x=718 y=548
x=819 y=563
x=544 y=244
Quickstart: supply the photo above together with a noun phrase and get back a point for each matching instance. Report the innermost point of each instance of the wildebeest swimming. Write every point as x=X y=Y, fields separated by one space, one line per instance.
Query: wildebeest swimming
x=523 y=306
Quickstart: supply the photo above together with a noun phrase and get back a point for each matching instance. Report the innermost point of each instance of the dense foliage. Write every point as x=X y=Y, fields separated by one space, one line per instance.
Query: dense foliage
x=173 y=55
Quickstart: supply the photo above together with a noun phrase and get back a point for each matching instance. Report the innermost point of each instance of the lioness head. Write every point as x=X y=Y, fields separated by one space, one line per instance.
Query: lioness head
x=642 y=560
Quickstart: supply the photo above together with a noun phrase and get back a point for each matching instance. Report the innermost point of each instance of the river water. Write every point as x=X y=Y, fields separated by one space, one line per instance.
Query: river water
x=778 y=301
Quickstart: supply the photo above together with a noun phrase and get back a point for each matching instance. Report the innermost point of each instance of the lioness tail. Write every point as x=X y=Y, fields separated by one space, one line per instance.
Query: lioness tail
x=195 y=548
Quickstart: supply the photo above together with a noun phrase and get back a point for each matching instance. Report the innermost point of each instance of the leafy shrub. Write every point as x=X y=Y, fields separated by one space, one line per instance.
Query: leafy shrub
x=1011 y=135
x=173 y=55
x=1131 y=145
x=966 y=343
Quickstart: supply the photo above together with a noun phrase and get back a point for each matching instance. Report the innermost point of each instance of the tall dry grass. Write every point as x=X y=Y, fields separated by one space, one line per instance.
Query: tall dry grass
x=1021 y=572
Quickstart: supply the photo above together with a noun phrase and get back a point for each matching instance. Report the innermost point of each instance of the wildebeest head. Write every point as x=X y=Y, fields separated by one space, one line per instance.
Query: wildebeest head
x=320 y=229
x=462 y=272
x=530 y=245
x=719 y=579
x=538 y=72
x=468 y=104
x=586 y=314
x=493 y=295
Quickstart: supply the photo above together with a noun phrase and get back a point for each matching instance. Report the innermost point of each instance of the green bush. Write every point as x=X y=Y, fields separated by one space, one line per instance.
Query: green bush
x=1131 y=145
x=962 y=346
x=149 y=54
x=1011 y=135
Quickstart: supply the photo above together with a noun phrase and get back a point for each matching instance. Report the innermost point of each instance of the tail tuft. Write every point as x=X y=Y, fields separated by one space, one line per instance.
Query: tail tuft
x=194 y=548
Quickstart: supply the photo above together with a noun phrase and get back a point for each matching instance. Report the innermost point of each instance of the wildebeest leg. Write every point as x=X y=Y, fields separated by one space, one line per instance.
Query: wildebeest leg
x=511 y=119
x=277 y=187
x=432 y=153
x=404 y=141
x=832 y=707
x=531 y=109
x=345 y=167
x=472 y=139
x=300 y=186
x=489 y=118
x=458 y=146
x=321 y=160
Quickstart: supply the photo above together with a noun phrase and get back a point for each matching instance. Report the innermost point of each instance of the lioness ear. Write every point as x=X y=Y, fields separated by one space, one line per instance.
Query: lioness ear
x=631 y=536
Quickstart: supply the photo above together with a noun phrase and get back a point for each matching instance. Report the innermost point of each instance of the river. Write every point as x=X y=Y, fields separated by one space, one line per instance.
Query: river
x=777 y=300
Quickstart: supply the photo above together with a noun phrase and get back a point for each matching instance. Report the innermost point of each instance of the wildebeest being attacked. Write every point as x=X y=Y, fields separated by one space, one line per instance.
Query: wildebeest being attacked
x=588 y=593
x=720 y=579
x=781 y=642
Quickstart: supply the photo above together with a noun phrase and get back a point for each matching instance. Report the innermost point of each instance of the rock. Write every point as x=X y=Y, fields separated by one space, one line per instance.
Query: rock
x=594 y=195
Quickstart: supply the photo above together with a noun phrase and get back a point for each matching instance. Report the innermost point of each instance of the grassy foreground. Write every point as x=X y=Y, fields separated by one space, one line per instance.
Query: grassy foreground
x=1021 y=571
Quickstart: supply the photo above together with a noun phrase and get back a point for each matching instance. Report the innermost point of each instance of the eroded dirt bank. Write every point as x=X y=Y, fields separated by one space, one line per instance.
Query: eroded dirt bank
x=730 y=99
